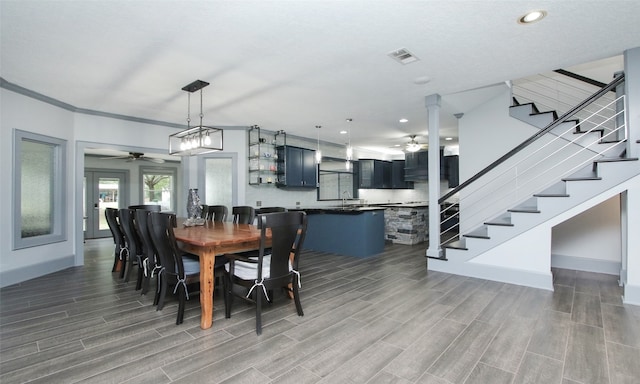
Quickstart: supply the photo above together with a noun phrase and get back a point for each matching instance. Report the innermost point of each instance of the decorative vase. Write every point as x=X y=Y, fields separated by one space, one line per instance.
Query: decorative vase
x=194 y=209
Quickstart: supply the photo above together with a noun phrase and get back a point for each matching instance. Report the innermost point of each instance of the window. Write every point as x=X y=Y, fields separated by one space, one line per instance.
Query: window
x=39 y=208
x=158 y=187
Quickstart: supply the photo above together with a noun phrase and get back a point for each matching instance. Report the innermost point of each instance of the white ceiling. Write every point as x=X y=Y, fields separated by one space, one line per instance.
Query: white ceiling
x=293 y=65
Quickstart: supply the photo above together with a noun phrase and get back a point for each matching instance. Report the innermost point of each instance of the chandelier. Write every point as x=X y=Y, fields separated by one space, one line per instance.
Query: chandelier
x=199 y=139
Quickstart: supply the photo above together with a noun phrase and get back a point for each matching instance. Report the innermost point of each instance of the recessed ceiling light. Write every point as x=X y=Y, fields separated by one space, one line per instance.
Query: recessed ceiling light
x=448 y=138
x=343 y=132
x=532 y=17
x=403 y=120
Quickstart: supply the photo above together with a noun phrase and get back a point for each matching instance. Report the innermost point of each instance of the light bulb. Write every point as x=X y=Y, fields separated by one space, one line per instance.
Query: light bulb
x=207 y=140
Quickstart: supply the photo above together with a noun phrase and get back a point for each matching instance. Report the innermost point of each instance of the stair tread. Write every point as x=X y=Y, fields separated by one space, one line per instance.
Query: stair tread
x=579 y=178
x=580 y=132
x=614 y=159
x=524 y=210
x=499 y=223
x=476 y=235
x=457 y=244
x=551 y=195
x=504 y=220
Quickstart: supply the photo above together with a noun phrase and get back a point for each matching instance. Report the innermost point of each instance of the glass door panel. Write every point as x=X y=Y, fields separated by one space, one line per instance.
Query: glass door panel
x=102 y=190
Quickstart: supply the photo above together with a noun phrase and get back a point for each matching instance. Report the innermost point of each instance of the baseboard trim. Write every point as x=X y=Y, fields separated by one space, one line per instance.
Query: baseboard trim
x=494 y=273
x=631 y=294
x=585 y=264
x=19 y=275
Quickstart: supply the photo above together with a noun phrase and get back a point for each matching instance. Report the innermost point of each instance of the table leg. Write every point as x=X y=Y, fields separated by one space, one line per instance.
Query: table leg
x=207 y=281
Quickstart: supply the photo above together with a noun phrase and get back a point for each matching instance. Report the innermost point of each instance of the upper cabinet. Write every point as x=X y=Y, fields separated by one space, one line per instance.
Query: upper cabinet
x=397 y=176
x=374 y=174
x=416 y=166
x=263 y=155
x=296 y=167
x=381 y=174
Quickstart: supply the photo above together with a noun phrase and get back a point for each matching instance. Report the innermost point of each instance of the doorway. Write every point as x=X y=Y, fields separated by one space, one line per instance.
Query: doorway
x=101 y=190
x=219 y=181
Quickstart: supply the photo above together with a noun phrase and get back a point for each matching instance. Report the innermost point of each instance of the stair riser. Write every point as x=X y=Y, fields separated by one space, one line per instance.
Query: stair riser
x=524 y=220
x=592 y=141
x=565 y=130
x=540 y=121
x=521 y=112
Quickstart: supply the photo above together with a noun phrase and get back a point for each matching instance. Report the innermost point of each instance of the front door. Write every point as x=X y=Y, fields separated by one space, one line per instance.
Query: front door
x=102 y=189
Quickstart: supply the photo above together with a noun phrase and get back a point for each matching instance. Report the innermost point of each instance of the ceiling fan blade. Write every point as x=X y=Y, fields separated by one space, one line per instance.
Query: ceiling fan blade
x=153 y=160
x=114 y=157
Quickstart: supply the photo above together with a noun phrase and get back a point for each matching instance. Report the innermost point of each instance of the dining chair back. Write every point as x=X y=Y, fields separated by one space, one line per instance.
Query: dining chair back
x=147 y=207
x=278 y=269
x=179 y=269
x=150 y=263
x=120 y=251
x=218 y=213
x=243 y=214
x=135 y=254
x=204 y=211
x=261 y=211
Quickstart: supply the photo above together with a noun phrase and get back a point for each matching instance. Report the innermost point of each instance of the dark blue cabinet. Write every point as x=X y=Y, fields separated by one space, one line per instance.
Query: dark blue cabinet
x=397 y=176
x=374 y=174
x=296 y=167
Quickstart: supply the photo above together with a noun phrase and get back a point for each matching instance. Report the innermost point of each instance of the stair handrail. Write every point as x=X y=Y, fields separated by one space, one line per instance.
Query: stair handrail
x=612 y=85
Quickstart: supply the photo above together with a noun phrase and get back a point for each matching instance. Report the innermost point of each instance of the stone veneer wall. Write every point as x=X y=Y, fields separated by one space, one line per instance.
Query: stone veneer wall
x=406 y=225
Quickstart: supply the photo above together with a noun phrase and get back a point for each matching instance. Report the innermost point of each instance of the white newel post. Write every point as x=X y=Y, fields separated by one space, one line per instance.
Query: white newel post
x=432 y=103
x=631 y=199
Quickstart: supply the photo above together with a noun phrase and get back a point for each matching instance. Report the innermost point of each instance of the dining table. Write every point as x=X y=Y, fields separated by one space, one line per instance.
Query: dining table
x=210 y=240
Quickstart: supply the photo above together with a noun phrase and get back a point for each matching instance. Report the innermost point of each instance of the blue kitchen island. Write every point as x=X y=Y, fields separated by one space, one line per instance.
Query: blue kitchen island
x=355 y=232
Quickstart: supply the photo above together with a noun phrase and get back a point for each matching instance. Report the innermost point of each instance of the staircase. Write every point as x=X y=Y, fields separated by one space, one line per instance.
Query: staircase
x=569 y=167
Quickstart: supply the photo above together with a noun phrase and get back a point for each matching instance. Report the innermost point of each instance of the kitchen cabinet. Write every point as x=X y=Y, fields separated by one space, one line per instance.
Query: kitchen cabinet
x=452 y=170
x=374 y=174
x=416 y=166
x=296 y=167
x=397 y=176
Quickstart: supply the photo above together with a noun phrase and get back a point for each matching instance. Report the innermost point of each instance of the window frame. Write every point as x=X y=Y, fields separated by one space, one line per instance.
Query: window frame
x=58 y=202
x=173 y=172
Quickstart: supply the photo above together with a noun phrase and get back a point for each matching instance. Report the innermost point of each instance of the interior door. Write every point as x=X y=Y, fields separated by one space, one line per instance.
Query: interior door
x=102 y=189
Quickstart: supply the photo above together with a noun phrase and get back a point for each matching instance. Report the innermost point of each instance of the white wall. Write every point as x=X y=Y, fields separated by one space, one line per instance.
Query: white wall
x=593 y=234
x=24 y=113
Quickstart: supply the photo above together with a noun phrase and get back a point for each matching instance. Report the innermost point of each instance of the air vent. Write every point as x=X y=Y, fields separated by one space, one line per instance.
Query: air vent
x=403 y=56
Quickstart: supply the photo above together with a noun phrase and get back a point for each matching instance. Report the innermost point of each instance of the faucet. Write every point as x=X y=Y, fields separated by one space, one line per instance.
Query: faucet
x=344 y=198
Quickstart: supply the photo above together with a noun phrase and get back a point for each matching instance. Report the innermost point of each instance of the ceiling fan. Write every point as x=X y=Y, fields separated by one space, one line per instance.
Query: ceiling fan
x=413 y=145
x=133 y=156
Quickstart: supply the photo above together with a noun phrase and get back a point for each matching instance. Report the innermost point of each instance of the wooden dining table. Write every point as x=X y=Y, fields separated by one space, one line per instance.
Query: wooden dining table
x=208 y=241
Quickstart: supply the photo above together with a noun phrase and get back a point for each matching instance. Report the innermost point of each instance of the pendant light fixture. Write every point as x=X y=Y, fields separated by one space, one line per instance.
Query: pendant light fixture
x=198 y=139
x=318 y=152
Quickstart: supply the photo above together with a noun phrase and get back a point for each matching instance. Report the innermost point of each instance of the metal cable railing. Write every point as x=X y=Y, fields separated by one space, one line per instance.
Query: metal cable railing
x=594 y=128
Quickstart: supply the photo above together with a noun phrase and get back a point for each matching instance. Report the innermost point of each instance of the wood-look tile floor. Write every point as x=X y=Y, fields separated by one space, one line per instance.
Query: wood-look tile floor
x=378 y=320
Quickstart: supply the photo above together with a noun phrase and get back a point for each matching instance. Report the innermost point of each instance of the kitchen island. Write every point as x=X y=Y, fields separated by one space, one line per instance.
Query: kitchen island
x=406 y=223
x=349 y=231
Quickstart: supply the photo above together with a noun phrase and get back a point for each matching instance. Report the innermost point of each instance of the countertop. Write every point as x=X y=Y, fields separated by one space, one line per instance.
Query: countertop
x=347 y=210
